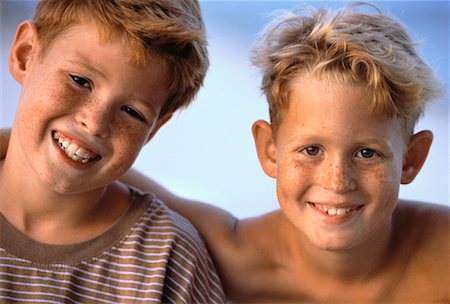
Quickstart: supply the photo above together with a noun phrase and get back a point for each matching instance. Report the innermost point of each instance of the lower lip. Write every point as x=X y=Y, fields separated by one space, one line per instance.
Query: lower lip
x=334 y=219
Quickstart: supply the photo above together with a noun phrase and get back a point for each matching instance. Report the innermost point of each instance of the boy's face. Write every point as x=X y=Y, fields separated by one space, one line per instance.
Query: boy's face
x=85 y=111
x=338 y=167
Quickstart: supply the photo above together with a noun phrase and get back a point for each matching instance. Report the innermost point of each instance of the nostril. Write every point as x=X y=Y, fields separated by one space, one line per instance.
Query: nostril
x=95 y=122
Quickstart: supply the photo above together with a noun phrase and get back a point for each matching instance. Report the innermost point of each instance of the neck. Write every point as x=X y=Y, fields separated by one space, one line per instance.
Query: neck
x=37 y=210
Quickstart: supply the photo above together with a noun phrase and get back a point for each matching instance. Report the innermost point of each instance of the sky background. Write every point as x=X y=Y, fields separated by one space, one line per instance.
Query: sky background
x=206 y=152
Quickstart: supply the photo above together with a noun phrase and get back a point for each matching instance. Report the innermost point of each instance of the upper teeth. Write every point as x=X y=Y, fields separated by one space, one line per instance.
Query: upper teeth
x=74 y=151
x=333 y=211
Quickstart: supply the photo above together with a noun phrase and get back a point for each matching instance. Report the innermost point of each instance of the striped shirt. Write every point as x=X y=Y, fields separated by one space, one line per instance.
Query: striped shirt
x=151 y=255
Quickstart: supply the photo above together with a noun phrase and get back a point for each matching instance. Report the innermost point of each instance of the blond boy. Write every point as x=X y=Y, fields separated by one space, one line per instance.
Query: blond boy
x=99 y=78
x=345 y=90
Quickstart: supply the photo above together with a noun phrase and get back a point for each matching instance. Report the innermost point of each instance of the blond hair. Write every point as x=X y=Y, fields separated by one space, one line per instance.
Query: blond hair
x=372 y=50
x=171 y=28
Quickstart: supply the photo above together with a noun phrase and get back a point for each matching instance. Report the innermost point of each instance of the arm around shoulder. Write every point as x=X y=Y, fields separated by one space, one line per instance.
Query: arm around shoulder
x=214 y=224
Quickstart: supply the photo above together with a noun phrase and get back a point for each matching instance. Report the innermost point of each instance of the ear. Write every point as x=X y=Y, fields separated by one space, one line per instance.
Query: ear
x=265 y=147
x=161 y=122
x=415 y=156
x=25 y=44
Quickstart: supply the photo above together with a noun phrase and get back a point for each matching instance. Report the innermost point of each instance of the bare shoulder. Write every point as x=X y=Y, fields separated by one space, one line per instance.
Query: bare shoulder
x=259 y=235
x=258 y=248
x=426 y=217
x=427 y=224
x=424 y=229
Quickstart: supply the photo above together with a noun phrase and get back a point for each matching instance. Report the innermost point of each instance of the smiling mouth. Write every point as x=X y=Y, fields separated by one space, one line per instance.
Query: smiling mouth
x=73 y=150
x=333 y=211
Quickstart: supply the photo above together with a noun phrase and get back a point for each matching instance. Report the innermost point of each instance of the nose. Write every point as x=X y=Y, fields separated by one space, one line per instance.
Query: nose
x=338 y=175
x=95 y=118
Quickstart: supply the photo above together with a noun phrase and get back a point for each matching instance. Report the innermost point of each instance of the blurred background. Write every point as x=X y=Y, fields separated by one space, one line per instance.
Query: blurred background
x=206 y=152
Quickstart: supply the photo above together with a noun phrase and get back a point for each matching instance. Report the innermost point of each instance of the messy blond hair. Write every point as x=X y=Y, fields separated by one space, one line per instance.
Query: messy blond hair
x=372 y=50
x=171 y=28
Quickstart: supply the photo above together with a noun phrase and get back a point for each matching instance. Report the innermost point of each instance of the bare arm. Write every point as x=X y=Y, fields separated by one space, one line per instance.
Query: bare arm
x=4 y=139
x=216 y=226
x=212 y=222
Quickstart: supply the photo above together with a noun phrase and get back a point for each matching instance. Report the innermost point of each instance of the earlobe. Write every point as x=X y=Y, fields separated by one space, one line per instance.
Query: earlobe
x=161 y=122
x=415 y=157
x=23 y=47
x=265 y=147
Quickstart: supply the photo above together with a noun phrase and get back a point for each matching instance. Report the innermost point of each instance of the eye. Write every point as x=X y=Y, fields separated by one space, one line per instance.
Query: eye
x=366 y=153
x=311 y=150
x=133 y=113
x=80 y=81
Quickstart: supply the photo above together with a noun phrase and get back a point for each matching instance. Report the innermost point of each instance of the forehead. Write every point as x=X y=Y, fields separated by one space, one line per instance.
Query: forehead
x=329 y=107
x=96 y=32
x=94 y=43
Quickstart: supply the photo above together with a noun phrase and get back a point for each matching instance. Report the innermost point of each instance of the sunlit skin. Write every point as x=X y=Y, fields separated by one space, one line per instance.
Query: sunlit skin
x=338 y=169
x=87 y=93
x=331 y=152
x=341 y=235
x=75 y=89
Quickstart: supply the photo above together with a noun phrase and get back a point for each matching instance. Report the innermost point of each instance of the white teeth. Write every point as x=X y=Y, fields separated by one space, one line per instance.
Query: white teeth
x=82 y=152
x=74 y=151
x=72 y=148
x=333 y=211
x=341 y=211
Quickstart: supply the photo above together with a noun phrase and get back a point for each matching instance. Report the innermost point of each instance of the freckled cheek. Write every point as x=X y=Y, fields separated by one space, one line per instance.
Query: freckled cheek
x=32 y=112
x=44 y=101
x=127 y=145
x=293 y=180
x=384 y=183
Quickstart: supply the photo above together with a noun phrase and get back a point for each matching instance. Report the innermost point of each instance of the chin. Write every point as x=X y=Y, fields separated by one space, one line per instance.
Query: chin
x=334 y=246
x=64 y=188
x=334 y=242
x=68 y=187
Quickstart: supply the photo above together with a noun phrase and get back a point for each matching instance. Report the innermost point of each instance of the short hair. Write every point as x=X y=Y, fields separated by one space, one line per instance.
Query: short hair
x=171 y=28
x=372 y=50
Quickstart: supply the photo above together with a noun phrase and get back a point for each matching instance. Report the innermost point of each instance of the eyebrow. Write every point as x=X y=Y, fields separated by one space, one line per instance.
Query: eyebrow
x=88 y=67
